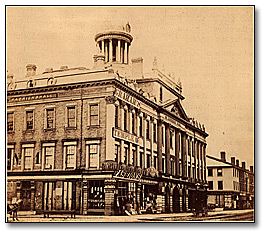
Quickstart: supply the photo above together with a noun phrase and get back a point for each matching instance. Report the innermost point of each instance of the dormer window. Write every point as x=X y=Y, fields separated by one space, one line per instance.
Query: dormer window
x=30 y=83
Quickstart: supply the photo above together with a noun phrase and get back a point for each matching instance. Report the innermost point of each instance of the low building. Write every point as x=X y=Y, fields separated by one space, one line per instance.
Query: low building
x=105 y=139
x=230 y=186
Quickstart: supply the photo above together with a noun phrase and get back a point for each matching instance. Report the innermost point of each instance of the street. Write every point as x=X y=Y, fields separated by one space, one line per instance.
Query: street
x=235 y=215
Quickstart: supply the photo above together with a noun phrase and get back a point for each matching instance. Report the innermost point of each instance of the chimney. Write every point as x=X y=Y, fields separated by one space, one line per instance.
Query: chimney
x=237 y=162
x=10 y=78
x=137 y=68
x=233 y=160
x=30 y=70
x=223 y=156
x=251 y=169
x=244 y=165
x=99 y=60
x=64 y=67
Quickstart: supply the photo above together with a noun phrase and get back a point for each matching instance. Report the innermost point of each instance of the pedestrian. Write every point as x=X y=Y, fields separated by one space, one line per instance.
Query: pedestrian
x=12 y=209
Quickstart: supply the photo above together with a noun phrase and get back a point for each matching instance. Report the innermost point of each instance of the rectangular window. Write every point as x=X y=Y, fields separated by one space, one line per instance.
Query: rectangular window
x=220 y=185
x=116 y=117
x=50 y=118
x=94 y=155
x=71 y=116
x=147 y=130
x=125 y=155
x=94 y=115
x=133 y=123
x=155 y=132
x=141 y=126
x=210 y=172
x=171 y=139
x=117 y=152
x=219 y=172
x=162 y=135
x=29 y=120
x=10 y=121
x=96 y=194
x=192 y=148
x=134 y=156
x=125 y=119
x=10 y=156
x=172 y=166
x=141 y=159
x=148 y=161
x=48 y=156
x=210 y=183
x=163 y=164
x=70 y=154
x=28 y=156
x=188 y=141
x=155 y=161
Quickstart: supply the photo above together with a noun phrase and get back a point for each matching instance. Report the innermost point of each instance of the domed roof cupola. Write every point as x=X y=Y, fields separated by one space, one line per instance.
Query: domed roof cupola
x=114 y=44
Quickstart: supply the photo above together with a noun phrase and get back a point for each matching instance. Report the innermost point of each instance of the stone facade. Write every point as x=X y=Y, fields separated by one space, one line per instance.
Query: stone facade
x=101 y=141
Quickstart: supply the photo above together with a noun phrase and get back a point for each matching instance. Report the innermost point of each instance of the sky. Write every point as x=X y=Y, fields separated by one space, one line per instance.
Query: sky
x=210 y=49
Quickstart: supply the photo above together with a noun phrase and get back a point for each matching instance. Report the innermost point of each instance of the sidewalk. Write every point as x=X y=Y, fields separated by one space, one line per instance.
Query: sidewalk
x=31 y=217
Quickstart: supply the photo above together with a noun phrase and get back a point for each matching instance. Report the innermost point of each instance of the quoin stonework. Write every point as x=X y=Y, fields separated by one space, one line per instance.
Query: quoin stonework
x=103 y=140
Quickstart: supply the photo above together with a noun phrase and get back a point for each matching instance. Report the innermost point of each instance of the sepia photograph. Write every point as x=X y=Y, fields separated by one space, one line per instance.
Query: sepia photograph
x=130 y=114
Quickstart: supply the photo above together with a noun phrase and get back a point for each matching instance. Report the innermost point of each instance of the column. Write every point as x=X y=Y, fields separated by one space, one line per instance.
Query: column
x=110 y=51
x=159 y=144
x=126 y=53
x=118 y=55
x=177 y=150
x=167 y=149
x=138 y=195
x=32 y=205
x=106 y=51
x=85 y=197
x=110 y=122
x=109 y=188
x=103 y=47
x=184 y=155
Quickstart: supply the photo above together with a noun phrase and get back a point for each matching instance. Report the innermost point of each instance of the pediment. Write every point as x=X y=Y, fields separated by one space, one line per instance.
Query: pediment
x=176 y=108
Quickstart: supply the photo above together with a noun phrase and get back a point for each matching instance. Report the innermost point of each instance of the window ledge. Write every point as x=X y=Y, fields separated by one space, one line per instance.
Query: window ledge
x=93 y=126
x=11 y=132
x=70 y=128
x=49 y=129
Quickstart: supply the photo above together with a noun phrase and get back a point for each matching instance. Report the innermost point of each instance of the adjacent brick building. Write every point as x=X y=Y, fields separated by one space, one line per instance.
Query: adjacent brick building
x=103 y=139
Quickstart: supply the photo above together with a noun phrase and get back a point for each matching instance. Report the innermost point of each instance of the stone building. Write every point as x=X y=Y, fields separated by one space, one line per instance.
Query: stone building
x=103 y=140
x=231 y=186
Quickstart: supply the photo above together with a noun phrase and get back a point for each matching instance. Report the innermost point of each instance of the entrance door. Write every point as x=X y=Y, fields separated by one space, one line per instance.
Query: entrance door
x=69 y=195
x=176 y=200
x=48 y=195
x=167 y=200
x=26 y=196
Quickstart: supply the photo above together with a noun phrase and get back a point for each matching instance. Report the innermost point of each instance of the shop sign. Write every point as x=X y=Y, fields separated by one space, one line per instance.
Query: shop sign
x=125 y=136
x=127 y=98
x=127 y=175
x=33 y=97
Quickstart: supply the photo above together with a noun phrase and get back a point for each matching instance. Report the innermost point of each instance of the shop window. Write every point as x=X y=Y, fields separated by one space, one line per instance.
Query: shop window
x=219 y=172
x=210 y=172
x=49 y=195
x=93 y=149
x=210 y=184
x=220 y=185
x=10 y=121
x=96 y=194
x=48 y=150
x=69 y=195
x=30 y=120
x=28 y=152
x=50 y=118
x=94 y=115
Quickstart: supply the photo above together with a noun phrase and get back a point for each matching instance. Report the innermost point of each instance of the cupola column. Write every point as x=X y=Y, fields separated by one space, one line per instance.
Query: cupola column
x=119 y=51
x=126 y=53
x=110 y=51
x=102 y=47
